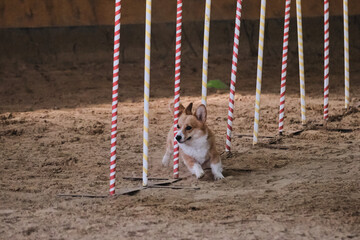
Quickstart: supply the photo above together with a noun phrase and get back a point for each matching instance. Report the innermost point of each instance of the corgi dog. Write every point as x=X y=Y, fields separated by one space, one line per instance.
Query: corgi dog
x=197 y=146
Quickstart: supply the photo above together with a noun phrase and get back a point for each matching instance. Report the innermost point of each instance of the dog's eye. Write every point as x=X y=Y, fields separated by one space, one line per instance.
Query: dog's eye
x=188 y=128
x=178 y=126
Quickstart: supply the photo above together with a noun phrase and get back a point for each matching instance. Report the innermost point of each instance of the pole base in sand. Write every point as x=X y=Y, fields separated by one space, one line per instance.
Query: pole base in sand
x=162 y=183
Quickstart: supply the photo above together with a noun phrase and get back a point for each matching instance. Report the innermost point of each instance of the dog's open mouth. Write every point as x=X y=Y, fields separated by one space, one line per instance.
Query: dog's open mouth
x=185 y=140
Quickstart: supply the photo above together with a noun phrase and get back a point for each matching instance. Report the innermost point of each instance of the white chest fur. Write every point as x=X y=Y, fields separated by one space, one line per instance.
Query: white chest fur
x=198 y=148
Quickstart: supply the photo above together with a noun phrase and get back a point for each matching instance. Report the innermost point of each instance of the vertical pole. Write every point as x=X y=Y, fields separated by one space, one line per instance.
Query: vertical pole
x=233 y=74
x=115 y=96
x=326 y=60
x=177 y=84
x=301 y=61
x=146 y=93
x=206 y=51
x=346 y=54
x=284 y=65
x=259 y=71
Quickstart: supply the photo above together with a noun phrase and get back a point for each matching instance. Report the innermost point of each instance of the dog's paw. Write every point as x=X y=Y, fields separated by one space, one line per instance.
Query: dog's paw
x=218 y=176
x=198 y=176
x=166 y=160
x=216 y=169
x=199 y=172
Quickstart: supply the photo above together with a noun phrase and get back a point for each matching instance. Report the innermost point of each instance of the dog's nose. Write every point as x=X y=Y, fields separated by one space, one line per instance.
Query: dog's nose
x=178 y=138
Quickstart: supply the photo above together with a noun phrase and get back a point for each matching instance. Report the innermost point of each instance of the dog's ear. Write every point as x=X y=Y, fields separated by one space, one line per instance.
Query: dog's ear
x=171 y=108
x=188 y=110
x=201 y=113
x=181 y=109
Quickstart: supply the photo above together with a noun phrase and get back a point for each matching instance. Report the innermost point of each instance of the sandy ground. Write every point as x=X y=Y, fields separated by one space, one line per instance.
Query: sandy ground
x=55 y=139
x=296 y=187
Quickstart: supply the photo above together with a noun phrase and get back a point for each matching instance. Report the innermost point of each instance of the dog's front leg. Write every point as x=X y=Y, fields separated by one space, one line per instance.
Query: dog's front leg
x=193 y=166
x=167 y=156
x=169 y=149
x=216 y=166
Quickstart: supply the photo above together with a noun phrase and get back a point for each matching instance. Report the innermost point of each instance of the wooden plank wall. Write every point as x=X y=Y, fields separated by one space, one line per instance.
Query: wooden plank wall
x=55 y=13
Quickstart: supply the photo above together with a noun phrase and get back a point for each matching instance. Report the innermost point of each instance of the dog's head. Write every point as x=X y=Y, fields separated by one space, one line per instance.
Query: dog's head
x=191 y=125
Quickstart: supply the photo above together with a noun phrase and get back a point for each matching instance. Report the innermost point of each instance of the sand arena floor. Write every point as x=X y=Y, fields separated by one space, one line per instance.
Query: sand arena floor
x=55 y=138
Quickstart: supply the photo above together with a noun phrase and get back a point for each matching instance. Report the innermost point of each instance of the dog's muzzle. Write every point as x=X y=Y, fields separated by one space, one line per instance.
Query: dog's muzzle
x=178 y=139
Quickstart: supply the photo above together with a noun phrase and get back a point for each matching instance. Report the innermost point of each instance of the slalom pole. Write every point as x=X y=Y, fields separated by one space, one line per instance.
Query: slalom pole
x=326 y=60
x=115 y=88
x=146 y=93
x=346 y=54
x=233 y=75
x=301 y=61
x=206 y=52
x=177 y=84
x=259 y=71
x=284 y=65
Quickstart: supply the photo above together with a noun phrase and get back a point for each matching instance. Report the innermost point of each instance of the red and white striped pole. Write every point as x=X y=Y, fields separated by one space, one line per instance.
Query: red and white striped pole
x=177 y=84
x=284 y=65
x=233 y=75
x=115 y=96
x=326 y=60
